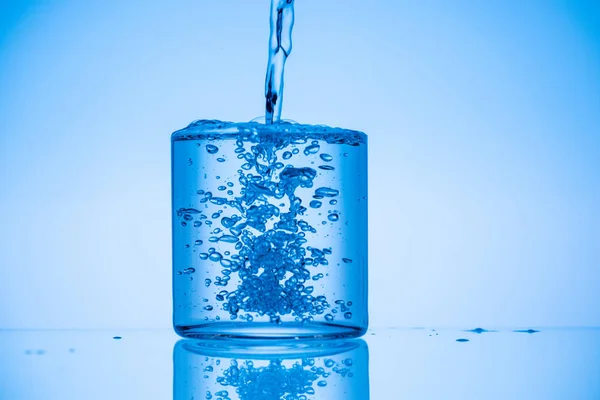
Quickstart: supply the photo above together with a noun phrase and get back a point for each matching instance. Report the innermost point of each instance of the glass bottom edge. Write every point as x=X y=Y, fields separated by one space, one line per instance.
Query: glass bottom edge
x=269 y=331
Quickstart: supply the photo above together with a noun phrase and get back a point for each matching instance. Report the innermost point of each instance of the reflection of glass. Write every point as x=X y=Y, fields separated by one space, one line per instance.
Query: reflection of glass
x=224 y=370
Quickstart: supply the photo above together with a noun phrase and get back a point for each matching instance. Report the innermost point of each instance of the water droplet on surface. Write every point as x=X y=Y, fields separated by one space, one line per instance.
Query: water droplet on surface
x=530 y=331
x=478 y=330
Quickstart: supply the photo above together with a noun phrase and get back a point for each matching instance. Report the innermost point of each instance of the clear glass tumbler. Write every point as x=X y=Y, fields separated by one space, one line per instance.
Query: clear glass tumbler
x=269 y=231
x=324 y=370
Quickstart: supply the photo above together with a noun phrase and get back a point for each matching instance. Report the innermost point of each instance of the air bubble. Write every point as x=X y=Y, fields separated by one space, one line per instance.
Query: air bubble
x=315 y=204
x=326 y=192
x=212 y=149
x=216 y=256
x=312 y=149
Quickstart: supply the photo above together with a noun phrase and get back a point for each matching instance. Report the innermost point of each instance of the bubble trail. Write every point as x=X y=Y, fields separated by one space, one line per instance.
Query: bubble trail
x=280 y=47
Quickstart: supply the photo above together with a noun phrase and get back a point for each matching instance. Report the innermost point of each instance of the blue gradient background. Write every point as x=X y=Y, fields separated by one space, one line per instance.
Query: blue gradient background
x=484 y=127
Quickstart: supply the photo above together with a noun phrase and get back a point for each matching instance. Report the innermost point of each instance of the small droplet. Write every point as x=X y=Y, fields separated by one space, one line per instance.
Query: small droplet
x=478 y=330
x=530 y=331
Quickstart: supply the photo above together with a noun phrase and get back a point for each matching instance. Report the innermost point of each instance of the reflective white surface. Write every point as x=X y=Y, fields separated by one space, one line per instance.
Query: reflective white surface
x=417 y=363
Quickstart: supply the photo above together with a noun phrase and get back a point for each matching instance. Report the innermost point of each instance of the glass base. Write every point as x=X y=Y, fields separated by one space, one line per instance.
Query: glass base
x=268 y=331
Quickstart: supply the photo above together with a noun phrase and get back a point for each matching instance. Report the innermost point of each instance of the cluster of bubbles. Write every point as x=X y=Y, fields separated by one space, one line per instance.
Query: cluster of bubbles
x=275 y=380
x=267 y=233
